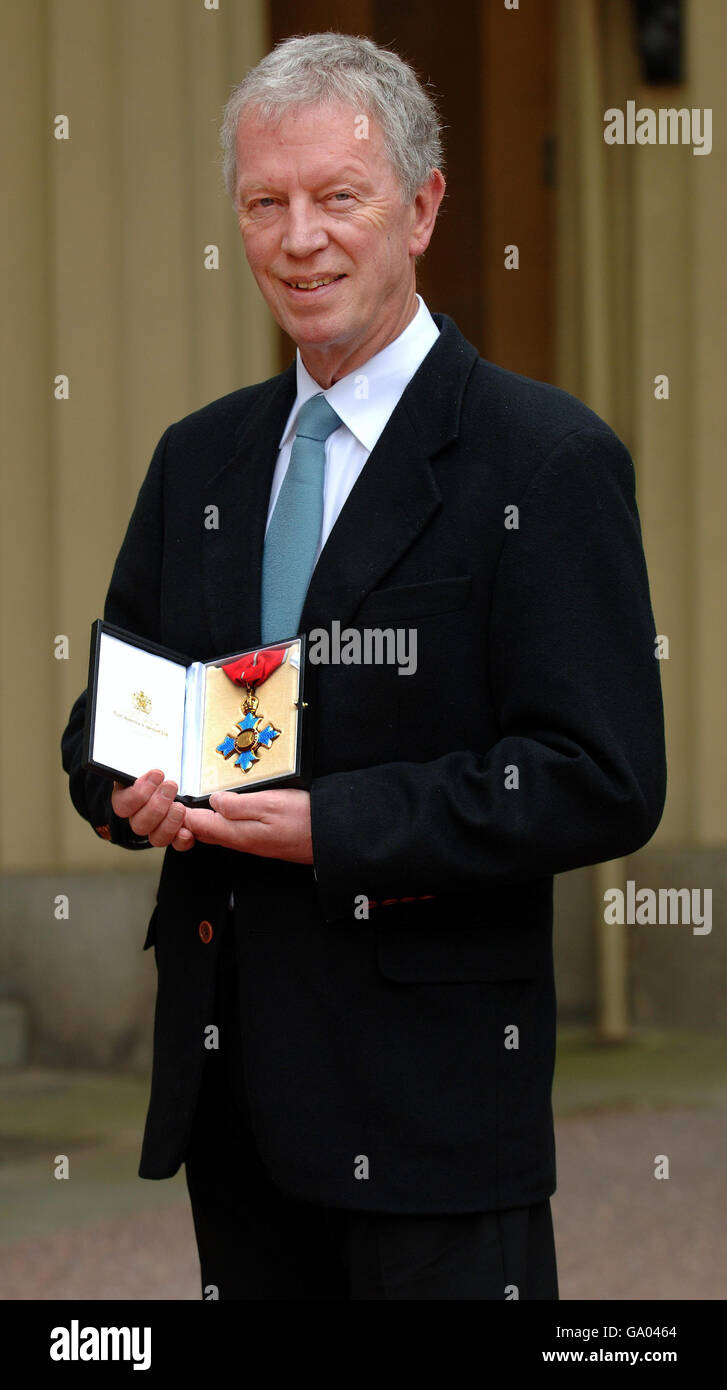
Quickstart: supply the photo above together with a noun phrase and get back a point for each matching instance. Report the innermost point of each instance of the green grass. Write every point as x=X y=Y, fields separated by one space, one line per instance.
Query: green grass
x=652 y=1069
x=96 y=1119
x=44 y=1105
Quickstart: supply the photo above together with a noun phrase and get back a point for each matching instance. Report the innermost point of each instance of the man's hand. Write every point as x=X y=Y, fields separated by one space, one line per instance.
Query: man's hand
x=151 y=810
x=274 y=824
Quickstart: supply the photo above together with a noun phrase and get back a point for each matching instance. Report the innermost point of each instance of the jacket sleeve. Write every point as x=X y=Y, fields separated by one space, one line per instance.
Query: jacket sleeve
x=132 y=602
x=578 y=774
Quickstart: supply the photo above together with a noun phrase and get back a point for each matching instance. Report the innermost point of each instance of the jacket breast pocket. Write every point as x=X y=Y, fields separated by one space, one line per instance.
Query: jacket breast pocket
x=151 y=931
x=414 y=600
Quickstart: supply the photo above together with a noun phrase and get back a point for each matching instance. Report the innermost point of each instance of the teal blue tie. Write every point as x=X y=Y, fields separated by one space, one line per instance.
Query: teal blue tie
x=295 y=525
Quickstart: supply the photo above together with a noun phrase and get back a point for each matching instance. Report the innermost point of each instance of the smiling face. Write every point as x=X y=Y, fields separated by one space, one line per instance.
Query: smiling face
x=327 y=233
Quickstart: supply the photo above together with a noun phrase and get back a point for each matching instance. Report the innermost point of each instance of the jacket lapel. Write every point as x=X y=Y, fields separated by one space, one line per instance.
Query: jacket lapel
x=396 y=493
x=393 y=499
x=232 y=555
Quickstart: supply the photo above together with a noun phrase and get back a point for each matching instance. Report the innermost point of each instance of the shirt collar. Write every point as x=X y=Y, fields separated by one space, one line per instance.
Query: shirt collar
x=366 y=398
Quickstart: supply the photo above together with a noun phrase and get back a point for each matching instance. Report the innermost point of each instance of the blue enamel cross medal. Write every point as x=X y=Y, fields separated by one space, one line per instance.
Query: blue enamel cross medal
x=250 y=738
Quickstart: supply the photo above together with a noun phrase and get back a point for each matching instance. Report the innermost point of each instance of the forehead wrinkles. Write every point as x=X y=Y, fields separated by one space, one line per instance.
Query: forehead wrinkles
x=297 y=148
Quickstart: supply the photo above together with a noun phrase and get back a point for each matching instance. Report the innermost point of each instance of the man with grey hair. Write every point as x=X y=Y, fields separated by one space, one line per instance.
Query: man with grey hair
x=376 y=951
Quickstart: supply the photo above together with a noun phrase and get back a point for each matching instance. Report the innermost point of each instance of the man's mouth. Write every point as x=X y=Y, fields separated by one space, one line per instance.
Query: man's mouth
x=316 y=282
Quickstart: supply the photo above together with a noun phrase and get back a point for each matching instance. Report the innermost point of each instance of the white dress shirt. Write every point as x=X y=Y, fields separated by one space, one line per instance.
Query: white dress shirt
x=364 y=400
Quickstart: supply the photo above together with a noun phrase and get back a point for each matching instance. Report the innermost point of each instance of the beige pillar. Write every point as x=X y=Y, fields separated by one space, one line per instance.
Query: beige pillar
x=705 y=455
x=641 y=292
x=28 y=752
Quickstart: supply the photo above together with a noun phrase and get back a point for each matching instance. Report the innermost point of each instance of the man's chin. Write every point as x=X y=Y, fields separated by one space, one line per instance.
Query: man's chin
x=315 y=331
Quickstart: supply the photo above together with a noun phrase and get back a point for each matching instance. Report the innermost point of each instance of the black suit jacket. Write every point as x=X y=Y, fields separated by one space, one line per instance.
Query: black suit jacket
x=391 y=1037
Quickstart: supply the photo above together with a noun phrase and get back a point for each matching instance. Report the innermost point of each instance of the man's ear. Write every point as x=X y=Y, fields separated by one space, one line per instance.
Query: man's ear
x=427 y=200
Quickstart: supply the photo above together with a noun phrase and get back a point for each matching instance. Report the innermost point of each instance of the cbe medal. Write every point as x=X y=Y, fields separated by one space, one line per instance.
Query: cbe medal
x=250 y=671
x=250 y=738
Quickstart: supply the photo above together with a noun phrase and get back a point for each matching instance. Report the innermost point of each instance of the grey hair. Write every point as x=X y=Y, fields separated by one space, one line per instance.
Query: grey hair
x=332 y=67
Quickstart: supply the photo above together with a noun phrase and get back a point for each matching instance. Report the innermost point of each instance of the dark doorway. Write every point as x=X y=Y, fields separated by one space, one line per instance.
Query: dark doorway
x=491 y=70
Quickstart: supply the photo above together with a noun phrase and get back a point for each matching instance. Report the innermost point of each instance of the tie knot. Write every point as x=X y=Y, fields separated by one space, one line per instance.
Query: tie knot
x=317 y=419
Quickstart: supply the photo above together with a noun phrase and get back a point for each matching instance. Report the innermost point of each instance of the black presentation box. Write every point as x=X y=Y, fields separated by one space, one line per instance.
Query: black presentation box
x=207 y=728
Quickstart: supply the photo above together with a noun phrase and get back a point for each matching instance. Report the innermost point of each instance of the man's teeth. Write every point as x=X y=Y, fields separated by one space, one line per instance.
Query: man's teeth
x=313 y=284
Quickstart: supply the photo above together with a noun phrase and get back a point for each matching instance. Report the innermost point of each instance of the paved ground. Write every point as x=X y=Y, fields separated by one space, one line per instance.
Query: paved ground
x=621 y=1233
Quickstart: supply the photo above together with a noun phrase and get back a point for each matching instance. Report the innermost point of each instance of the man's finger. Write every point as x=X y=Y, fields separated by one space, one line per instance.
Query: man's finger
x=126 y=801
x=204 y=825
x=156 y=809
x=167 y=829
x=214 y=829
x=232 y=806
x=184 y=840
x=262 y=805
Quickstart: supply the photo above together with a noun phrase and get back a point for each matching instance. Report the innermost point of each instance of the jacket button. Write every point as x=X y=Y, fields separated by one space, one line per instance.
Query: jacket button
x=206 y=932
x=104 y=831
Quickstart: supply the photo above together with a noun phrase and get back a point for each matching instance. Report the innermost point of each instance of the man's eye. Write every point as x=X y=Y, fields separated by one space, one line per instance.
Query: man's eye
x=342 y=195
x=262 y=203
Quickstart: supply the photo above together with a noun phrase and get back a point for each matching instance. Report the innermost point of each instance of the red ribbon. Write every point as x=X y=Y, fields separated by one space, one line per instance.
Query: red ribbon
x=255 y=667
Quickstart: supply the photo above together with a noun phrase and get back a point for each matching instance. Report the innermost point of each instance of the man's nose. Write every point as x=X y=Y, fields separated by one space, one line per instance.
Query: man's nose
x=303 y=231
